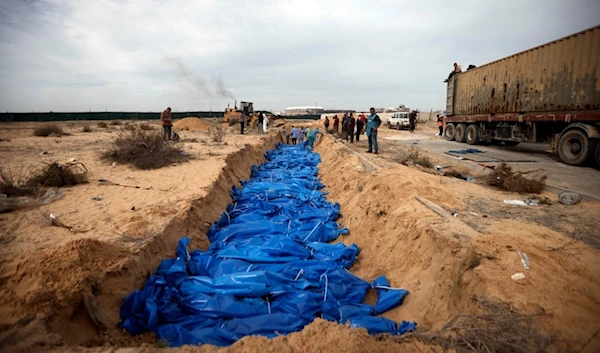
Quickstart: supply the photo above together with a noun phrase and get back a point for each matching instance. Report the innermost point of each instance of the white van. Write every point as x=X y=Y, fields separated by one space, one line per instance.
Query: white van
x=399 y=121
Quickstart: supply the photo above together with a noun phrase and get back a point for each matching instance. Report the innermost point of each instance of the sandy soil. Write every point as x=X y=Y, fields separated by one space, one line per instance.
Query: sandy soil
x=54 y=282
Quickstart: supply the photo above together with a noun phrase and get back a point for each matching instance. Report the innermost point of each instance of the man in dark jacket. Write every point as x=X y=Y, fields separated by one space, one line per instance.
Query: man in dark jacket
x=412 y=119
x=351 y=123
x=336 y=124
x=360 y=124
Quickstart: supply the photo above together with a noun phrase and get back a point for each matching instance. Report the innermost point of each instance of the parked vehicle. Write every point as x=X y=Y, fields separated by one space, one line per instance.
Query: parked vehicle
x=546 y=94
x=398 y=121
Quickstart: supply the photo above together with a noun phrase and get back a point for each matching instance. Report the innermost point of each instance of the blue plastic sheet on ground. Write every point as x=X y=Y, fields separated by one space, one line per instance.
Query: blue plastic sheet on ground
x=269 y=269
x=466 y=151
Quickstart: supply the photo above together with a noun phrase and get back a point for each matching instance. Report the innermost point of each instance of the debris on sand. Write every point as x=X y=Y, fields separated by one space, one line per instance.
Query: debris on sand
x=9 y=204
x=569 y=198
x=505 y=178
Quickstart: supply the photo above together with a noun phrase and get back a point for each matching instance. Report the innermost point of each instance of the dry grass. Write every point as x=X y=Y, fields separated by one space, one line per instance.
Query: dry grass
x=115 y=123
x=498 y=329
x=216 y=133
x=129 y=127
x=102 y=125
x=15 y=183
x=30 y=182
x=57 y=175
x=146 y=127
x=505 y=178
x=86 y=128
x=414 y=157
x=144 y=150
x=50 y=129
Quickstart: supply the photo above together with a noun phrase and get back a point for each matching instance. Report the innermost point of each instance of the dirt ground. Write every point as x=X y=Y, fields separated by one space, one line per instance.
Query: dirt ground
x=57 y=285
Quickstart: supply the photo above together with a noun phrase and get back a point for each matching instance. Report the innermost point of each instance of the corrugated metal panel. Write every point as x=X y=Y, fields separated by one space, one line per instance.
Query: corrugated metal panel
x=563 y=75
x=450 y=97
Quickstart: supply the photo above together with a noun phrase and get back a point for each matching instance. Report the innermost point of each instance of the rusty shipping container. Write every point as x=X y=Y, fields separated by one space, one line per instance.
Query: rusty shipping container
x=560 y=76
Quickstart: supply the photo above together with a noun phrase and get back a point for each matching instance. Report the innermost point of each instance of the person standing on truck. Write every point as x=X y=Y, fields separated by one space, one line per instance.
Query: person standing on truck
x=373 y=123
x=360 y=123
x=457 y=69
x=440 y=122
x=412 y=119
x=242 y=121
x=167 y=123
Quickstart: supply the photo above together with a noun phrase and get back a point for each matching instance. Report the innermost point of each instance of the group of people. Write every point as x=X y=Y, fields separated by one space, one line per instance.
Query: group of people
x=353 y=127
x=263 y=121
x=298 y=134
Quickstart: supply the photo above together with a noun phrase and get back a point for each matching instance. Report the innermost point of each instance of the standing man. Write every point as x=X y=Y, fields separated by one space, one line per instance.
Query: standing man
x=300 y=135
x=412 y=119
x=260 y=123
x=286 y=134
x=351 y=123
x=326 y=123
x=294 y=135
x=242 y=121
x=440 y=123
x=265 y=122
x=373 y=122
x=360 y=123
x=345 y=124
x=167 y=123
x=307 y=132
x=336 y=124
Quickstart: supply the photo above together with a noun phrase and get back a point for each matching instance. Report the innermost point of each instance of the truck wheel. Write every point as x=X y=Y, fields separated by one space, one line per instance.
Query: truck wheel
x=597 y=153
x=398 y=127
x=389 y=125
x=472 y=134
x=460 y=134
x=574 y=147
x=449 y=132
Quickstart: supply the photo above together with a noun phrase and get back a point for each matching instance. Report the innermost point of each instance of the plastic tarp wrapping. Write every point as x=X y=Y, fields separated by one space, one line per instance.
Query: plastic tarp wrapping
x=269 y=269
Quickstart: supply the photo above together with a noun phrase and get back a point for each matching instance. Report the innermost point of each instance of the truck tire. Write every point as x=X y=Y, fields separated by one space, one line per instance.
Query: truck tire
x=472 y=134
x=597 y=153
x=389 y=125
x=461 y=132
x=574 y=147
x=398 y=126
x=449 y=132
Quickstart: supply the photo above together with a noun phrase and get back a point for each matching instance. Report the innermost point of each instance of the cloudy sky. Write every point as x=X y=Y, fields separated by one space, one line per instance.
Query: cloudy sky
x=144 y=55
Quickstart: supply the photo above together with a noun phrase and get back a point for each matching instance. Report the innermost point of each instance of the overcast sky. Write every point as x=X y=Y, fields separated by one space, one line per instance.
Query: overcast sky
x=144 y=55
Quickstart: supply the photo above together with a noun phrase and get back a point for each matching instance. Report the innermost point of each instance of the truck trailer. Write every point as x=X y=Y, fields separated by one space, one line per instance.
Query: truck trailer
x=547 y=94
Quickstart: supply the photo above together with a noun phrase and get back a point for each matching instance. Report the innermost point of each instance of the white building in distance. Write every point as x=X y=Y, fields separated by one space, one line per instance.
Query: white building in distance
x=303 y=110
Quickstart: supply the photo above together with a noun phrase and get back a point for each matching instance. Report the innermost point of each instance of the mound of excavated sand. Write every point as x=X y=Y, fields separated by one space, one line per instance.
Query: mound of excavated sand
x=191 y=123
